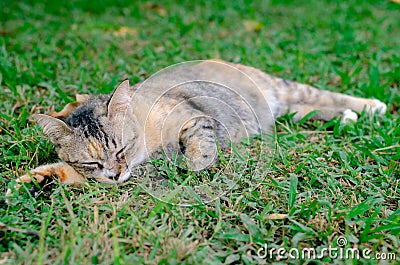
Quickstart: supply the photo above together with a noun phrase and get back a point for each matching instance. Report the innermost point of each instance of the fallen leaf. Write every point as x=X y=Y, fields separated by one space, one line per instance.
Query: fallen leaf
x=124 y=31
x=70 y=107
x=82 y=97
x=276 y=216
x=156 y=7
x=252 y=25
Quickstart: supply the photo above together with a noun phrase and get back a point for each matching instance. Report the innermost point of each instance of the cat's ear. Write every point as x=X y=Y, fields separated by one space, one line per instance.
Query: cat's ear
x=120 y=100
x=55 y=128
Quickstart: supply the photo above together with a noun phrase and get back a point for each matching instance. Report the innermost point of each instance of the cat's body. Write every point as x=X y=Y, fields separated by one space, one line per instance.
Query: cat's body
x=188 y=110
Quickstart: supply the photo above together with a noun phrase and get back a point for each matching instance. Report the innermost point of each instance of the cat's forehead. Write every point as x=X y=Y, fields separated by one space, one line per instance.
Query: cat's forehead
x=90 y=119
x=94 y=107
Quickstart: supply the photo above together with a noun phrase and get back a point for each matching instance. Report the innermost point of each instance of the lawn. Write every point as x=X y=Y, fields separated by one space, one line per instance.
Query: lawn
x=330 y=186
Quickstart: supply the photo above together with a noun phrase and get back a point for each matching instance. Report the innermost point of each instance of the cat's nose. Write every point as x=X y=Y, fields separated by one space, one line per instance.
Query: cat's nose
x=111 y=174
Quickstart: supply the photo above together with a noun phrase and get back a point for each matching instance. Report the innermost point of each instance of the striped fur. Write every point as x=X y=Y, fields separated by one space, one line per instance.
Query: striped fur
x=108 y=135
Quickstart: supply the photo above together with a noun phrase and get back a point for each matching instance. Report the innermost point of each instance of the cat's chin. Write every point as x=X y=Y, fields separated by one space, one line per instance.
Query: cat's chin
x=105 y=180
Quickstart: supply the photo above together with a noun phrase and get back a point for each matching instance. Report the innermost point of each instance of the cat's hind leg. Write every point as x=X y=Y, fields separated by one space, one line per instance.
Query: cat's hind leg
x=339 y=105
x=61 y=171
x=288 y=96
x=303 y=99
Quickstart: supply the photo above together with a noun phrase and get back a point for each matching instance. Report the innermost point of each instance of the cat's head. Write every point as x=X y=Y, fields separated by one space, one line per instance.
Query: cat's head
x=90 y=138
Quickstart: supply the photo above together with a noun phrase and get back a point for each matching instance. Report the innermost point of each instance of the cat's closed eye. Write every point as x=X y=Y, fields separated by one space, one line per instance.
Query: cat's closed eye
x=120 y=155
x=93 y=164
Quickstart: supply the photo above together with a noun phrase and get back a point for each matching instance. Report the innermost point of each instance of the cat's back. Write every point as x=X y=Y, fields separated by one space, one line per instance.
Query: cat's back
x=214 y=88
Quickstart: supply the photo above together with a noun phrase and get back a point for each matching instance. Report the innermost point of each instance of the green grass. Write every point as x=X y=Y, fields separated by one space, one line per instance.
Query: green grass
x=330 y=180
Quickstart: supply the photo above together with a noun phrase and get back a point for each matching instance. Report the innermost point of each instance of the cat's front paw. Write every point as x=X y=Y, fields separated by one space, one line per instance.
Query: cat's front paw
x=201 y=159
x=45 y=174
x=27 y=178
x=200 y=164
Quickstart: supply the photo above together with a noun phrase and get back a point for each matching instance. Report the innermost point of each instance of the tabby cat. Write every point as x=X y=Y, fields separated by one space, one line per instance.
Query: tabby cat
x=190 y=110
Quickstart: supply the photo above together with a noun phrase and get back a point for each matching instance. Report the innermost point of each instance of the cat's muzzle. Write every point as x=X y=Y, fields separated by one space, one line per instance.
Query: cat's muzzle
x=111 y=174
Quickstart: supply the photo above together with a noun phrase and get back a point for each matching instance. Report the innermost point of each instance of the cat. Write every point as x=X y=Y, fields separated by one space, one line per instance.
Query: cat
x=184 y=110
